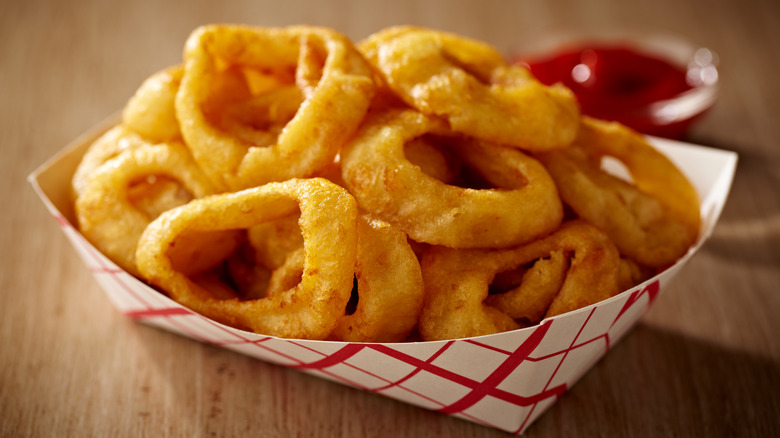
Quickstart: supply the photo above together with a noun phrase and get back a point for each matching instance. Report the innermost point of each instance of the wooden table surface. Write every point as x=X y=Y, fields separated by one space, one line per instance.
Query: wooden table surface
x=705 y=361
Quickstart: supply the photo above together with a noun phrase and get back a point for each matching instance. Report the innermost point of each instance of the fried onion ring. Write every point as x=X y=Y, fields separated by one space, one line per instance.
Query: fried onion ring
x=653 y=220
x=313 y=306
x=471 y=85
x=223 y=67
x=151 y=112
x=386 y=184
x=457 y=282
x=388 y=281
x=110 y=144
x=389 y=286
x=157 y=194
x=148 y=117
x=112 y=216
x=432 y=160
x=537 y=287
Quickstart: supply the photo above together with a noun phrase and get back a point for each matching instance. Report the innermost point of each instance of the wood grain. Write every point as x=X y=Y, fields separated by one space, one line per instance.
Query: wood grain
x=705 y=361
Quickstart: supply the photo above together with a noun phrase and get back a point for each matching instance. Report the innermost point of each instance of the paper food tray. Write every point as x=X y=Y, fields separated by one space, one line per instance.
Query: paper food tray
x=505 y=381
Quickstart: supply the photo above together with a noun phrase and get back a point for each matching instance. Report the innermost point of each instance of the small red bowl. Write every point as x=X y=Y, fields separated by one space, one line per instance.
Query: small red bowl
x=656 y=83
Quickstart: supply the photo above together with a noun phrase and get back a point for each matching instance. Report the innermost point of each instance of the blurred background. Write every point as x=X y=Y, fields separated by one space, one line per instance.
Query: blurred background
x=704 y=362
x=85 y=46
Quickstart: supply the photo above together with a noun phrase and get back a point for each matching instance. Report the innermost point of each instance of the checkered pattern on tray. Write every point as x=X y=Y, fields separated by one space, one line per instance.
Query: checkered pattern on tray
x=504 y=381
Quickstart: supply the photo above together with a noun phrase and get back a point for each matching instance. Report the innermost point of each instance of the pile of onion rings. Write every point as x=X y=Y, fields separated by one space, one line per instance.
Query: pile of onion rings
x=411 y=186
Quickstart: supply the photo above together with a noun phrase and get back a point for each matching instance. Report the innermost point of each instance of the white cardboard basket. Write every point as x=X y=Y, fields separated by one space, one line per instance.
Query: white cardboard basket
x=505 y=381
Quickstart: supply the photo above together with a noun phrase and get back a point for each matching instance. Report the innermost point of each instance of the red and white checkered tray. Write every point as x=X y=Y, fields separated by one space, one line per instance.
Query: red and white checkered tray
x=505 y=380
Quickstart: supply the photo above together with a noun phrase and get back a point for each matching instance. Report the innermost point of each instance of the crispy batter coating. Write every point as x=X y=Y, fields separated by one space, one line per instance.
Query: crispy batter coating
x=268 y=104
x=389 y=286
x=457 y=282
x=311 y=308
x=151 y=112
x=653 y=219
x=470 y=84
x=112 y=210
x=525 y=205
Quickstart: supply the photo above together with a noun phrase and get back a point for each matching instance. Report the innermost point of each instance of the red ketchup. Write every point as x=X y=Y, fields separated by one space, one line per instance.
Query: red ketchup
x=617 y=83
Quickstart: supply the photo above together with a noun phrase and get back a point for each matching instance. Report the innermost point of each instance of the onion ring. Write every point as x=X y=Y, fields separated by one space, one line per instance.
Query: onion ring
x=321 y=63
x=148 y=117
x=457 y=281
x=536 y=289
x=386 y=184
x=308 y=310
x=471 y=85
x=432 y=160
x=108 y=210
x=631 y=273
x=653 y=221
x=110 y=144
x=388 y=281
x=389 y=286
x=151 y=111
